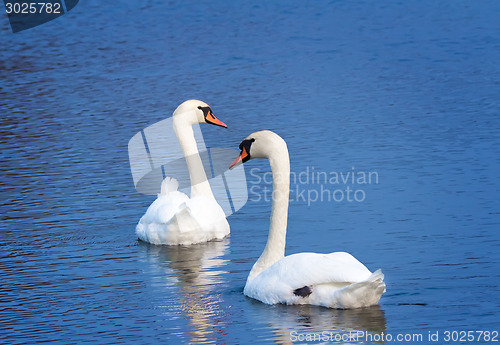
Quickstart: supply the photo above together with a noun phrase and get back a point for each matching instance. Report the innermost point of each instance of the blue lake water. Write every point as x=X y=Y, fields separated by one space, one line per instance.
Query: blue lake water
x=406 y=90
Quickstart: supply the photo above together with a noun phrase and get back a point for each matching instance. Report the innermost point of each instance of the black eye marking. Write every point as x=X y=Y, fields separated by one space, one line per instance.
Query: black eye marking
x=206 y=111
x=246 y=144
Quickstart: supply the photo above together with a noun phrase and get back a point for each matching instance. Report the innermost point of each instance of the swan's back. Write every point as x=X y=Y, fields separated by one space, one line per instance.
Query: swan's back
x=335 y=280
x=173 y=218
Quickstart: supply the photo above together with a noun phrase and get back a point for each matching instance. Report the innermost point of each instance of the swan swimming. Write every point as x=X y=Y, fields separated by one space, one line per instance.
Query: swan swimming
x=174 y=218
x=335 y=280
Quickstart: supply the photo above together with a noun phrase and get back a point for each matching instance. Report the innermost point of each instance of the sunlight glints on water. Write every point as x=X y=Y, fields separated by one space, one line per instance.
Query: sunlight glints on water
x=311 y=185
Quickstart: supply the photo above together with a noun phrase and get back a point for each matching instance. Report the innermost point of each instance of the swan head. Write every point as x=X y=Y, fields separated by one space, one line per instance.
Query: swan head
x=261 y=144
x=198 y=112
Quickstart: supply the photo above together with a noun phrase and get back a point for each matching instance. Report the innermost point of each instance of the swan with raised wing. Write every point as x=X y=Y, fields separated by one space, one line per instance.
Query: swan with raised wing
x=174 y=218
x=335 y=280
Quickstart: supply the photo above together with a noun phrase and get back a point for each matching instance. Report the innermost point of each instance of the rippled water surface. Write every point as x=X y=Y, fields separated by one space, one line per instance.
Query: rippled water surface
x=408 y=90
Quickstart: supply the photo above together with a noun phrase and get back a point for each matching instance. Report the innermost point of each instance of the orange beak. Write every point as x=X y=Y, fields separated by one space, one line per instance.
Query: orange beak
x=239 y=159
x=214 y=121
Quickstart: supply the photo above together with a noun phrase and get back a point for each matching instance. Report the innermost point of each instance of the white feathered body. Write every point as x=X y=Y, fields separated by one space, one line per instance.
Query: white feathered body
x=335 y=280
x=174 y=218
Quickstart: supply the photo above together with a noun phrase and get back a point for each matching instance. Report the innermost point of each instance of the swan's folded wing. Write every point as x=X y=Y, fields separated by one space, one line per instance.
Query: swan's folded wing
x=165 y=207
x=184 y=222
x=207 y=213
x=307 y=269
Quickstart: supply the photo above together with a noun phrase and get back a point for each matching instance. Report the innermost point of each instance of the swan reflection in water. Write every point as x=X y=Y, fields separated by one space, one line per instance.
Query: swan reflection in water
x=194 y=272
x=292 y=323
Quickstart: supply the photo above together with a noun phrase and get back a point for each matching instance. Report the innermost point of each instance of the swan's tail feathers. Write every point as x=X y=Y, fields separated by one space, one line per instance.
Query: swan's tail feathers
x=169 y=185
x=362 y=294
x=378 y=278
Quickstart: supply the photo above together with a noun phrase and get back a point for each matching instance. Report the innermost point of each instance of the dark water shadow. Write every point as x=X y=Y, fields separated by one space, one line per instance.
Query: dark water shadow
x=291 y=324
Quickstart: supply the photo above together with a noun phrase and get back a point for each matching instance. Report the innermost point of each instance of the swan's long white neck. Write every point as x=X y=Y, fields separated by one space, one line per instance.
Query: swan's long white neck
x=183 y=127
x=275 y=247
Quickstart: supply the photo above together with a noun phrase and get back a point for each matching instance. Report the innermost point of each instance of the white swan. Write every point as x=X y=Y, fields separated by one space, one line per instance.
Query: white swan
x=335 y=280
x=174 y=218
